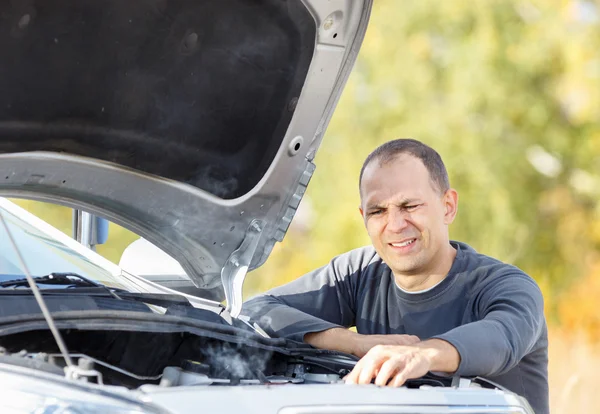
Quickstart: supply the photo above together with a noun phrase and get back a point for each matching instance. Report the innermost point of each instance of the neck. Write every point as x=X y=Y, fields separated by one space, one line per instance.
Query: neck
x=427 y=279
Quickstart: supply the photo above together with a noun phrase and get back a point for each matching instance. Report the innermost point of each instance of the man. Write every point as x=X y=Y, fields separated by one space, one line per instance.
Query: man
x=420 y=302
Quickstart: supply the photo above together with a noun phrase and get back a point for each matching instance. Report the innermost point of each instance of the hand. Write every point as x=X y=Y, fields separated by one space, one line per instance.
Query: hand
x=393 y=365
x=390 y=365
x=364 y=343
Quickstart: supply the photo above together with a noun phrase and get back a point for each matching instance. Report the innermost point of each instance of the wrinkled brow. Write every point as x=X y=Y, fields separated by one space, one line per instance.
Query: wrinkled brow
x=403 y=203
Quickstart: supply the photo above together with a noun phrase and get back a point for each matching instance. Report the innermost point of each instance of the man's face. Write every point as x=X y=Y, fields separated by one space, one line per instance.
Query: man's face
x=406 y=217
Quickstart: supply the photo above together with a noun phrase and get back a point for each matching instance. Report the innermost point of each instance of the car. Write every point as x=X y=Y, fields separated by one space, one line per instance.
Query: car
x=195 y=125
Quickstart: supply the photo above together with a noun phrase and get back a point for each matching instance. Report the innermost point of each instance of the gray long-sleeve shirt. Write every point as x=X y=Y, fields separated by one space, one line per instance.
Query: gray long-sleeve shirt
x=492 y=312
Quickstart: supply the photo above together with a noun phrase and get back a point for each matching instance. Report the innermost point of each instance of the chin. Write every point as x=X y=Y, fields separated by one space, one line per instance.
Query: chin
x=408 y=266
x=412 y=270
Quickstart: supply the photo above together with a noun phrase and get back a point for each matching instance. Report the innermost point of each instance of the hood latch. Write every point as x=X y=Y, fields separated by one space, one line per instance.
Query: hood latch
x=236 y=267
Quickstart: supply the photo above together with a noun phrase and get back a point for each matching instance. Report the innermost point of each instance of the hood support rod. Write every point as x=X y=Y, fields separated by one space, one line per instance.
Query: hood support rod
x=38 y=297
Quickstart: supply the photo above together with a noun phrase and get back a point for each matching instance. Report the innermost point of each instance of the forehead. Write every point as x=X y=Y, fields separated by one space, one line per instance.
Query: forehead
x=404 y=176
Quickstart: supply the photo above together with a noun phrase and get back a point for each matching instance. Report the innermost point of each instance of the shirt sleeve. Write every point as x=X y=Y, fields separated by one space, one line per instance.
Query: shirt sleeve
x=291 y=310
x=510 y=320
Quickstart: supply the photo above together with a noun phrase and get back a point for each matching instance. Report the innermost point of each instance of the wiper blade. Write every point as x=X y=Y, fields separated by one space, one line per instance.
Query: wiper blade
x=163 y=300
x=56 y=278
x=84 y=284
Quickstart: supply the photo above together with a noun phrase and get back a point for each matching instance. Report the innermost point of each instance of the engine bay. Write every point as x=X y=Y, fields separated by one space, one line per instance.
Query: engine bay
x=134 y=359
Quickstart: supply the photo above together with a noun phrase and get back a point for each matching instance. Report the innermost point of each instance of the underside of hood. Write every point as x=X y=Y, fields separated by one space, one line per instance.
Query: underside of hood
x=192 y=123
x=200 y=92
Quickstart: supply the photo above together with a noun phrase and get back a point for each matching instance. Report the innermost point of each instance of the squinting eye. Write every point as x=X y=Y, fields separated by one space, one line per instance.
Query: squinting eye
x=372 y=213
x=411 y=207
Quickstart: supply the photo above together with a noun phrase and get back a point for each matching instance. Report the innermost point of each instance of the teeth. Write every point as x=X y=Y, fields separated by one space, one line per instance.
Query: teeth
x=404 y=244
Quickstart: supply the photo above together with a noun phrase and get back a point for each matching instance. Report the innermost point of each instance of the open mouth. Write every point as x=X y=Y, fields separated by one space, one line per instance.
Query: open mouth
x=404 y=243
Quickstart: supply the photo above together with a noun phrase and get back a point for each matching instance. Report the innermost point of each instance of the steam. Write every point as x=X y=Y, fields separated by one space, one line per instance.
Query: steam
x=238 y=363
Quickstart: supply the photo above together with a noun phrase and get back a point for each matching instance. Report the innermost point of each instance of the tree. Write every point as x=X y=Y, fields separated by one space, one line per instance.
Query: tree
x=509 y=93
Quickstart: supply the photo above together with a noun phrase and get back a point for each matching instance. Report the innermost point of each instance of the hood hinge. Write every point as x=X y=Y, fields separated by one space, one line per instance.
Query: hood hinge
x=294 y=201
x=236 y=267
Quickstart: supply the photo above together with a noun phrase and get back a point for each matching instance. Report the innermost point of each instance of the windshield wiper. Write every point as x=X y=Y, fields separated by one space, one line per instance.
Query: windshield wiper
x=69 y=279
x=56 y=278
x=87 y=286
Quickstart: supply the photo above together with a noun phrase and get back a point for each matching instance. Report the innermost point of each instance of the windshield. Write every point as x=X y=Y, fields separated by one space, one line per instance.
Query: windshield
x=44 y=254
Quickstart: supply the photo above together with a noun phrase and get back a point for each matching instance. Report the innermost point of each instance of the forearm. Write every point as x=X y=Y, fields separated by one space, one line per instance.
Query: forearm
x=444 y=356
x=282 y=320
x=335 y=339
x=315 y=302
x=344 y=340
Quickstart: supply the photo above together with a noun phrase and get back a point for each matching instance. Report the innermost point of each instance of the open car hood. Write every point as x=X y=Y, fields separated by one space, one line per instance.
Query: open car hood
x=192 y=123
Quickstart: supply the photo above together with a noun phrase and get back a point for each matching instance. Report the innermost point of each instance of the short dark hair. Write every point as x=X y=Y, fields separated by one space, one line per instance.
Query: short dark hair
x=428 y=156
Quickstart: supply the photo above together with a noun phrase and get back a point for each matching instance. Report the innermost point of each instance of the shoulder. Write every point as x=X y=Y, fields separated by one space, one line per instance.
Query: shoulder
x=362 y=270
x=361 y=261
x=486 y=273
x=483 y=264
x=358 y=258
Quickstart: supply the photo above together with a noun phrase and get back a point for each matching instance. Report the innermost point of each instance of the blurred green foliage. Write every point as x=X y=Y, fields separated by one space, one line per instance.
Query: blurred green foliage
x=509 y=93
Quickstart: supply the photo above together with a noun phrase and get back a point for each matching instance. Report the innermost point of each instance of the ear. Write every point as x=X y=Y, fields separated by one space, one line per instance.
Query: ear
x=450 y=201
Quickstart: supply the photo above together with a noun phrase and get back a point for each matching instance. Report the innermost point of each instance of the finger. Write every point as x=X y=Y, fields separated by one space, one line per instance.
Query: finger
x=369 y=370
x=414 y=339
x=409 y=371
x=408 y=339
x=352 y=377
x=367 y=367
x=345 y=377
x=402 y=340
x=398 y=380
x=388 y=369
x=371 y=363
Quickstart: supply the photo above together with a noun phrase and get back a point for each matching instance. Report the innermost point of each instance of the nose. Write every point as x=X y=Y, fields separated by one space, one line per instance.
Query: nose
x=396 y=220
